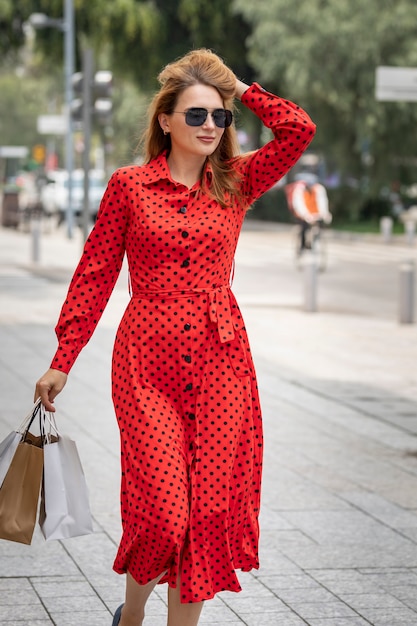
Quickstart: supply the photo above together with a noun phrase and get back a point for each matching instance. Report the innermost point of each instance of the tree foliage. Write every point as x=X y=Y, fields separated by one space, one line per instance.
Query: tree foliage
x=20 y=104
x=11 y=27
x=324 y=53
x=137 y=37
x=134 y=39
x=321 y=53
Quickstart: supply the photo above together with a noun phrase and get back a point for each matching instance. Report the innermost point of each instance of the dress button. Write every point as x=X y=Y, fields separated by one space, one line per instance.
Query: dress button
x=184 y=234
x=185 y=263
x=187 y=358
x=187 y=326
x=183 y=209
x=188 y=387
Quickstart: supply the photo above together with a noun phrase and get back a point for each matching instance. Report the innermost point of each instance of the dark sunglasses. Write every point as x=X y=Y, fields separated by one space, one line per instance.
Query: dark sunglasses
x=196 y=116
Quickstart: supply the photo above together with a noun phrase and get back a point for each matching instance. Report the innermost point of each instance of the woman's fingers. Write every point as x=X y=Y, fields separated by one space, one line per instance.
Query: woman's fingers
x=49 y=386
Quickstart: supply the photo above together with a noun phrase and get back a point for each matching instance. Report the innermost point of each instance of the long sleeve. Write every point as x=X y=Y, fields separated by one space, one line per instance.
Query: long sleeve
x=293 y=131
x=94 y=278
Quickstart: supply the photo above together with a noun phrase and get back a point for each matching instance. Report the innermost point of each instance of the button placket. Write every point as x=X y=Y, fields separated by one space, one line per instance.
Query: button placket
x=185 y=263
x=187 y=368
x=187 y=359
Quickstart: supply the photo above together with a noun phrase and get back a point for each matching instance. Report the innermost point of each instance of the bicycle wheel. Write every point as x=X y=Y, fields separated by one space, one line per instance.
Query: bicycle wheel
x=298 y=252
x=318 y=246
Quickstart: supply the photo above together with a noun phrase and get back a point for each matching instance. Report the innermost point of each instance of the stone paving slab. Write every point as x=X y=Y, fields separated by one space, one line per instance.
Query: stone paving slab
x=339 y=513
x=344 y=621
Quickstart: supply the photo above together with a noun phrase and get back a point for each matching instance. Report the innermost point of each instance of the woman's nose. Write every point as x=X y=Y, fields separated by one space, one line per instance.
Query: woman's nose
x=209 y=121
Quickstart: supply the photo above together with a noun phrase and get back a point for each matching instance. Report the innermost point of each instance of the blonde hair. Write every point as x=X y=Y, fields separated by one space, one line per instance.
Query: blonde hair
x=196 y=67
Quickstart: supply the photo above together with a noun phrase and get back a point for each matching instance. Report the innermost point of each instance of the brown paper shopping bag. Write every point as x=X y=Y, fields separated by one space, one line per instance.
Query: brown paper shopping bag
x=19 y=493
x=9 y=445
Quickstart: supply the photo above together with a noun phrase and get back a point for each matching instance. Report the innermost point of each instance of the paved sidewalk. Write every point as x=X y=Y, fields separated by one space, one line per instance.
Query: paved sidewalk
x=339 y=516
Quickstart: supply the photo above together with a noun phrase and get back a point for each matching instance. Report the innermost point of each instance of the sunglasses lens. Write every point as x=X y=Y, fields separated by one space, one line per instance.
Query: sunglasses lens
x=196 y=117
x=222 y=118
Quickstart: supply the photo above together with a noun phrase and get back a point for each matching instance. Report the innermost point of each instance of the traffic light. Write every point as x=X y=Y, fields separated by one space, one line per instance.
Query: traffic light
x=100 y=96
x=77 y=103
x=103 y=90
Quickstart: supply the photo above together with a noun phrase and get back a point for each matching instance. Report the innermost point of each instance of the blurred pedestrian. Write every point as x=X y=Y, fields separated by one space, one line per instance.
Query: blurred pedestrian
x=308 y=200
x=183 y=380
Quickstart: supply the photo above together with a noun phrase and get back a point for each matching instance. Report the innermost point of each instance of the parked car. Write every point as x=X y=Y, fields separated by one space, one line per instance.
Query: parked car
x=54 y=194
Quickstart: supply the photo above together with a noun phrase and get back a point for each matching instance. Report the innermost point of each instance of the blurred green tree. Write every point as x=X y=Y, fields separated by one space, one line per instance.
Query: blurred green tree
x=21 y=102
x=133 y=38
x=11 y=27
x=137 y=37
x=324 y=53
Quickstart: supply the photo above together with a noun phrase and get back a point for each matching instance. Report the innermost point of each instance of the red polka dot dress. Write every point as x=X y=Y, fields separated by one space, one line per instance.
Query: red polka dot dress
x=183 y=381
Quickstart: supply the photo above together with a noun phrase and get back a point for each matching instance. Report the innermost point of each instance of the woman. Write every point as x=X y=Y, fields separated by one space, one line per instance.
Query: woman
x=183 y=381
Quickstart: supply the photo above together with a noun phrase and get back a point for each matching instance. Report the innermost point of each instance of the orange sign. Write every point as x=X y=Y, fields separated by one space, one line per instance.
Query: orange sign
x=39 y=153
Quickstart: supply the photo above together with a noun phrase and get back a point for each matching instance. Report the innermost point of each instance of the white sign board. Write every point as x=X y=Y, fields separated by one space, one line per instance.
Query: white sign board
x=393 y=84
x=52 y=125
x=13 y=152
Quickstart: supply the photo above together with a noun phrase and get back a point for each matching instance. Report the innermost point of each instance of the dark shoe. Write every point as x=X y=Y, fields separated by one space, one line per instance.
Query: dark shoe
x=117 y=616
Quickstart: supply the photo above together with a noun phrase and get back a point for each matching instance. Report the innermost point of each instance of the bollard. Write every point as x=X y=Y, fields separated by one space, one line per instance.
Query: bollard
x=35 y=225
x=310 y=284
x=386 y=224
x=406 y=293
x=410 y=231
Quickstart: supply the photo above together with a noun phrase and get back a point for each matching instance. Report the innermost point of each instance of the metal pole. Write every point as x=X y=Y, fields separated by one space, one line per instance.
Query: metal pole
x=310 y=284
x=410 y=231
x=69 y=63
x=35 y=225
x=87 y=85
x=406 y=293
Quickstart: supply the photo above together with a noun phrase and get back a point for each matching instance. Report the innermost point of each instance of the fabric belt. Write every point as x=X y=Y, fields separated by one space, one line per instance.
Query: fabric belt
x=222 y=306
x=223 y=311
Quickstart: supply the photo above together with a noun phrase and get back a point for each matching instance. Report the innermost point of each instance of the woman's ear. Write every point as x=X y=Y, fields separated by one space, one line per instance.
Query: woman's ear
x=164 y=123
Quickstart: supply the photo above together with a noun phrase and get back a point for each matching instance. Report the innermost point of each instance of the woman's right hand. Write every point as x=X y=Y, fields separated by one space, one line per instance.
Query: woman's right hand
x=49 y=386
x=240 y=88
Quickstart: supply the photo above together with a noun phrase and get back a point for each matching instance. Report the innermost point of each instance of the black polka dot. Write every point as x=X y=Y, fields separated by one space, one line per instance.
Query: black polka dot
x=183 y=382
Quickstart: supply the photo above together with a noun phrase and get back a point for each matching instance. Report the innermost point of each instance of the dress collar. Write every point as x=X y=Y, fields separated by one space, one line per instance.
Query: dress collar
x=158 y=169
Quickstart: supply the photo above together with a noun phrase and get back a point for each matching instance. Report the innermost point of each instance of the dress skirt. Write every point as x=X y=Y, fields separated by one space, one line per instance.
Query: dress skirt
x=186 y=401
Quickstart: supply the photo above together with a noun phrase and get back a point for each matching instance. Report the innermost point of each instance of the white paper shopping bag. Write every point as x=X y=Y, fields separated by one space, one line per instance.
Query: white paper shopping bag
x=9 y=445
x=7 y=449
x=65 y=510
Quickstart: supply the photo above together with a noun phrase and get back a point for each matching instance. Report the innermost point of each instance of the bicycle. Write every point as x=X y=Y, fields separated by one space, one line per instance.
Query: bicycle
x=310 y=240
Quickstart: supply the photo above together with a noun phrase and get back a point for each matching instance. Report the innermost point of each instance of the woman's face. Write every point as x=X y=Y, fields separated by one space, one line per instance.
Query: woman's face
x=200 y=141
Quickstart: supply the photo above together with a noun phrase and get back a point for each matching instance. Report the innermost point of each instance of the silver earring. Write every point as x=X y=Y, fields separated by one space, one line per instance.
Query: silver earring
x=166 y=132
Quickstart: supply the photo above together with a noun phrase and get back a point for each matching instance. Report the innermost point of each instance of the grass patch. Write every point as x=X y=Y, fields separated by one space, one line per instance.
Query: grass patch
x=366 y=227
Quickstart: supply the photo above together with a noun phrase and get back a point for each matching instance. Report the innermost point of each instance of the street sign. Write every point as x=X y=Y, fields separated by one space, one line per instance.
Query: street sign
x=52 y=125
x=39 y=153
x=13 y=152
x=394 y=84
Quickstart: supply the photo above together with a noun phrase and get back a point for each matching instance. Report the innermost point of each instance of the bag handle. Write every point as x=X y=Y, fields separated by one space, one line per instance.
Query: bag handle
x=29 y=419
x=49 y=420
x=47 y=424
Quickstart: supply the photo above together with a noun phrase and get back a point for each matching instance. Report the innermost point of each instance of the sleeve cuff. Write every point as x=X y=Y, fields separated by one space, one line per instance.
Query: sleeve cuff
x=64 y=359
